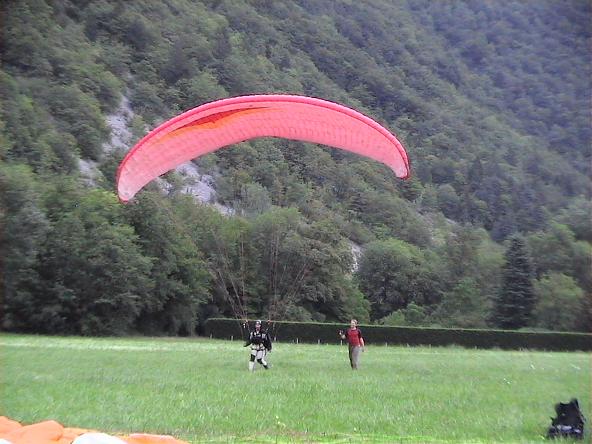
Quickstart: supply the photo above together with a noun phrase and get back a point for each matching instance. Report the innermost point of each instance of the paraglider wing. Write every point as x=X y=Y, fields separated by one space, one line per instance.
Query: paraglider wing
x=224 y=122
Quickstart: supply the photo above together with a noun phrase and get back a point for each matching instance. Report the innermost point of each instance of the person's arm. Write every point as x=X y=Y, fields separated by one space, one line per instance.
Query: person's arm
x=361 y=338
x=248 y=340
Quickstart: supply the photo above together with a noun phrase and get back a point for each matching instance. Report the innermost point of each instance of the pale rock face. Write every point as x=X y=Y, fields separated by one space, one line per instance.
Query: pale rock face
x=121 y=138
x=201 y=187
x=198 y=185
x=119 y=122
x=89 y=171
x=356 y=251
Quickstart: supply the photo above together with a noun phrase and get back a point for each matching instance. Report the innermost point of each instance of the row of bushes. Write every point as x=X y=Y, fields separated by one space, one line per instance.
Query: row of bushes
x=326 y=333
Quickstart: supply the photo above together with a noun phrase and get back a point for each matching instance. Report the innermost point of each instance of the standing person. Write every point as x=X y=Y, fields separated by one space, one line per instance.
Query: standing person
x=260 y=343
x=355 y=343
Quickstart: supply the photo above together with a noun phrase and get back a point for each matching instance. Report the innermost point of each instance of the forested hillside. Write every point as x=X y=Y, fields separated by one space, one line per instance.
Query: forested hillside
x=490 y=98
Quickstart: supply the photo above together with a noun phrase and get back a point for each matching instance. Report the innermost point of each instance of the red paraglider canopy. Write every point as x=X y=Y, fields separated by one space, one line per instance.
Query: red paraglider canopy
x=224 y=122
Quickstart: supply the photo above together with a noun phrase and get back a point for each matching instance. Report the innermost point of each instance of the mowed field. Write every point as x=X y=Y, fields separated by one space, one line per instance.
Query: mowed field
x=200 y=390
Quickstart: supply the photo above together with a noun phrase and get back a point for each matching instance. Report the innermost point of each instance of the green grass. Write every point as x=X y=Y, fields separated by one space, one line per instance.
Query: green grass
x=200 y=390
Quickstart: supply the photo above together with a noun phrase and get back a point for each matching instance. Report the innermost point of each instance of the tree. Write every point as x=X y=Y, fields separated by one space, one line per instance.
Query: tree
x=557 y=250
x=79 y=114
x=201 y=88
x=577 y=217
x=464 y=306
x=560 y=302
x=448 y=201
x=390 y=275
x=23 y=230
x=181 y=283
x=96 y=278
x=460 y=251
x=354 y=304
x=255 y=200
x=413 y=315
x=515 y=302
x=305 y=265
x=553 y=249
x=281 y=258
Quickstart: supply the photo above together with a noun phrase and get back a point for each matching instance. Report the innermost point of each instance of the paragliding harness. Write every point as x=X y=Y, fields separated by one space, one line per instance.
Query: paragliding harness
x=270 y=329
x=260 y=342
x=569 y=422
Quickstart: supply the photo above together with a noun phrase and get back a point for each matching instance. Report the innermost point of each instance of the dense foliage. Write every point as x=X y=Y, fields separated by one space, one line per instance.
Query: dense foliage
x=490 y=98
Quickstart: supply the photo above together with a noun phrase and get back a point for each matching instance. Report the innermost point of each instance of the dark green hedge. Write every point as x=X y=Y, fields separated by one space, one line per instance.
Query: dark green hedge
x=312 y=332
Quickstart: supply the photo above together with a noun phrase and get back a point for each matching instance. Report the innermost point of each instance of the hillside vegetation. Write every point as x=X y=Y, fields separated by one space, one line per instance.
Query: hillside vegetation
x=491 y=100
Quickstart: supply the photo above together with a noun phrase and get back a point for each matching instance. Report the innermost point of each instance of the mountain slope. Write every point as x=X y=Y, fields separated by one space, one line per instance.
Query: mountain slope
x=490 y=99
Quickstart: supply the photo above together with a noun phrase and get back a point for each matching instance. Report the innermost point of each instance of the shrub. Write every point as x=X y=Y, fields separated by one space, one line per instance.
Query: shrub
x=314 y=332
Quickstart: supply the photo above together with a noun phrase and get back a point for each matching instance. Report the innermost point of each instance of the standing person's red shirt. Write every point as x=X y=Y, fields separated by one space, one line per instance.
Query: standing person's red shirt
x=354 y=337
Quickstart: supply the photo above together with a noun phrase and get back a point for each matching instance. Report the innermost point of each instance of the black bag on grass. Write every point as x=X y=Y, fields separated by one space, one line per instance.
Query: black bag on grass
x=569 y=422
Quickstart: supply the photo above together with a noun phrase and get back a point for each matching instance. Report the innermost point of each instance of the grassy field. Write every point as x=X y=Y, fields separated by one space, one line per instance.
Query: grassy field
x=200 y=390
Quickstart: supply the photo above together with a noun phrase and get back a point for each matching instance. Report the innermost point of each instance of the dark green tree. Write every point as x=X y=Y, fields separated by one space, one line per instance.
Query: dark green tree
x=413 y=315
x=178 y=272
x=464 y=306
x=23 y=229
x=391 y=275
x=560 y=302
x=96 y=279
x=577 y=217
x=514 y=303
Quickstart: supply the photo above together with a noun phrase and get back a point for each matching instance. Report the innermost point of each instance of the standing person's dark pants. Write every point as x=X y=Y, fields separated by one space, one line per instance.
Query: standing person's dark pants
x=354 y=356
